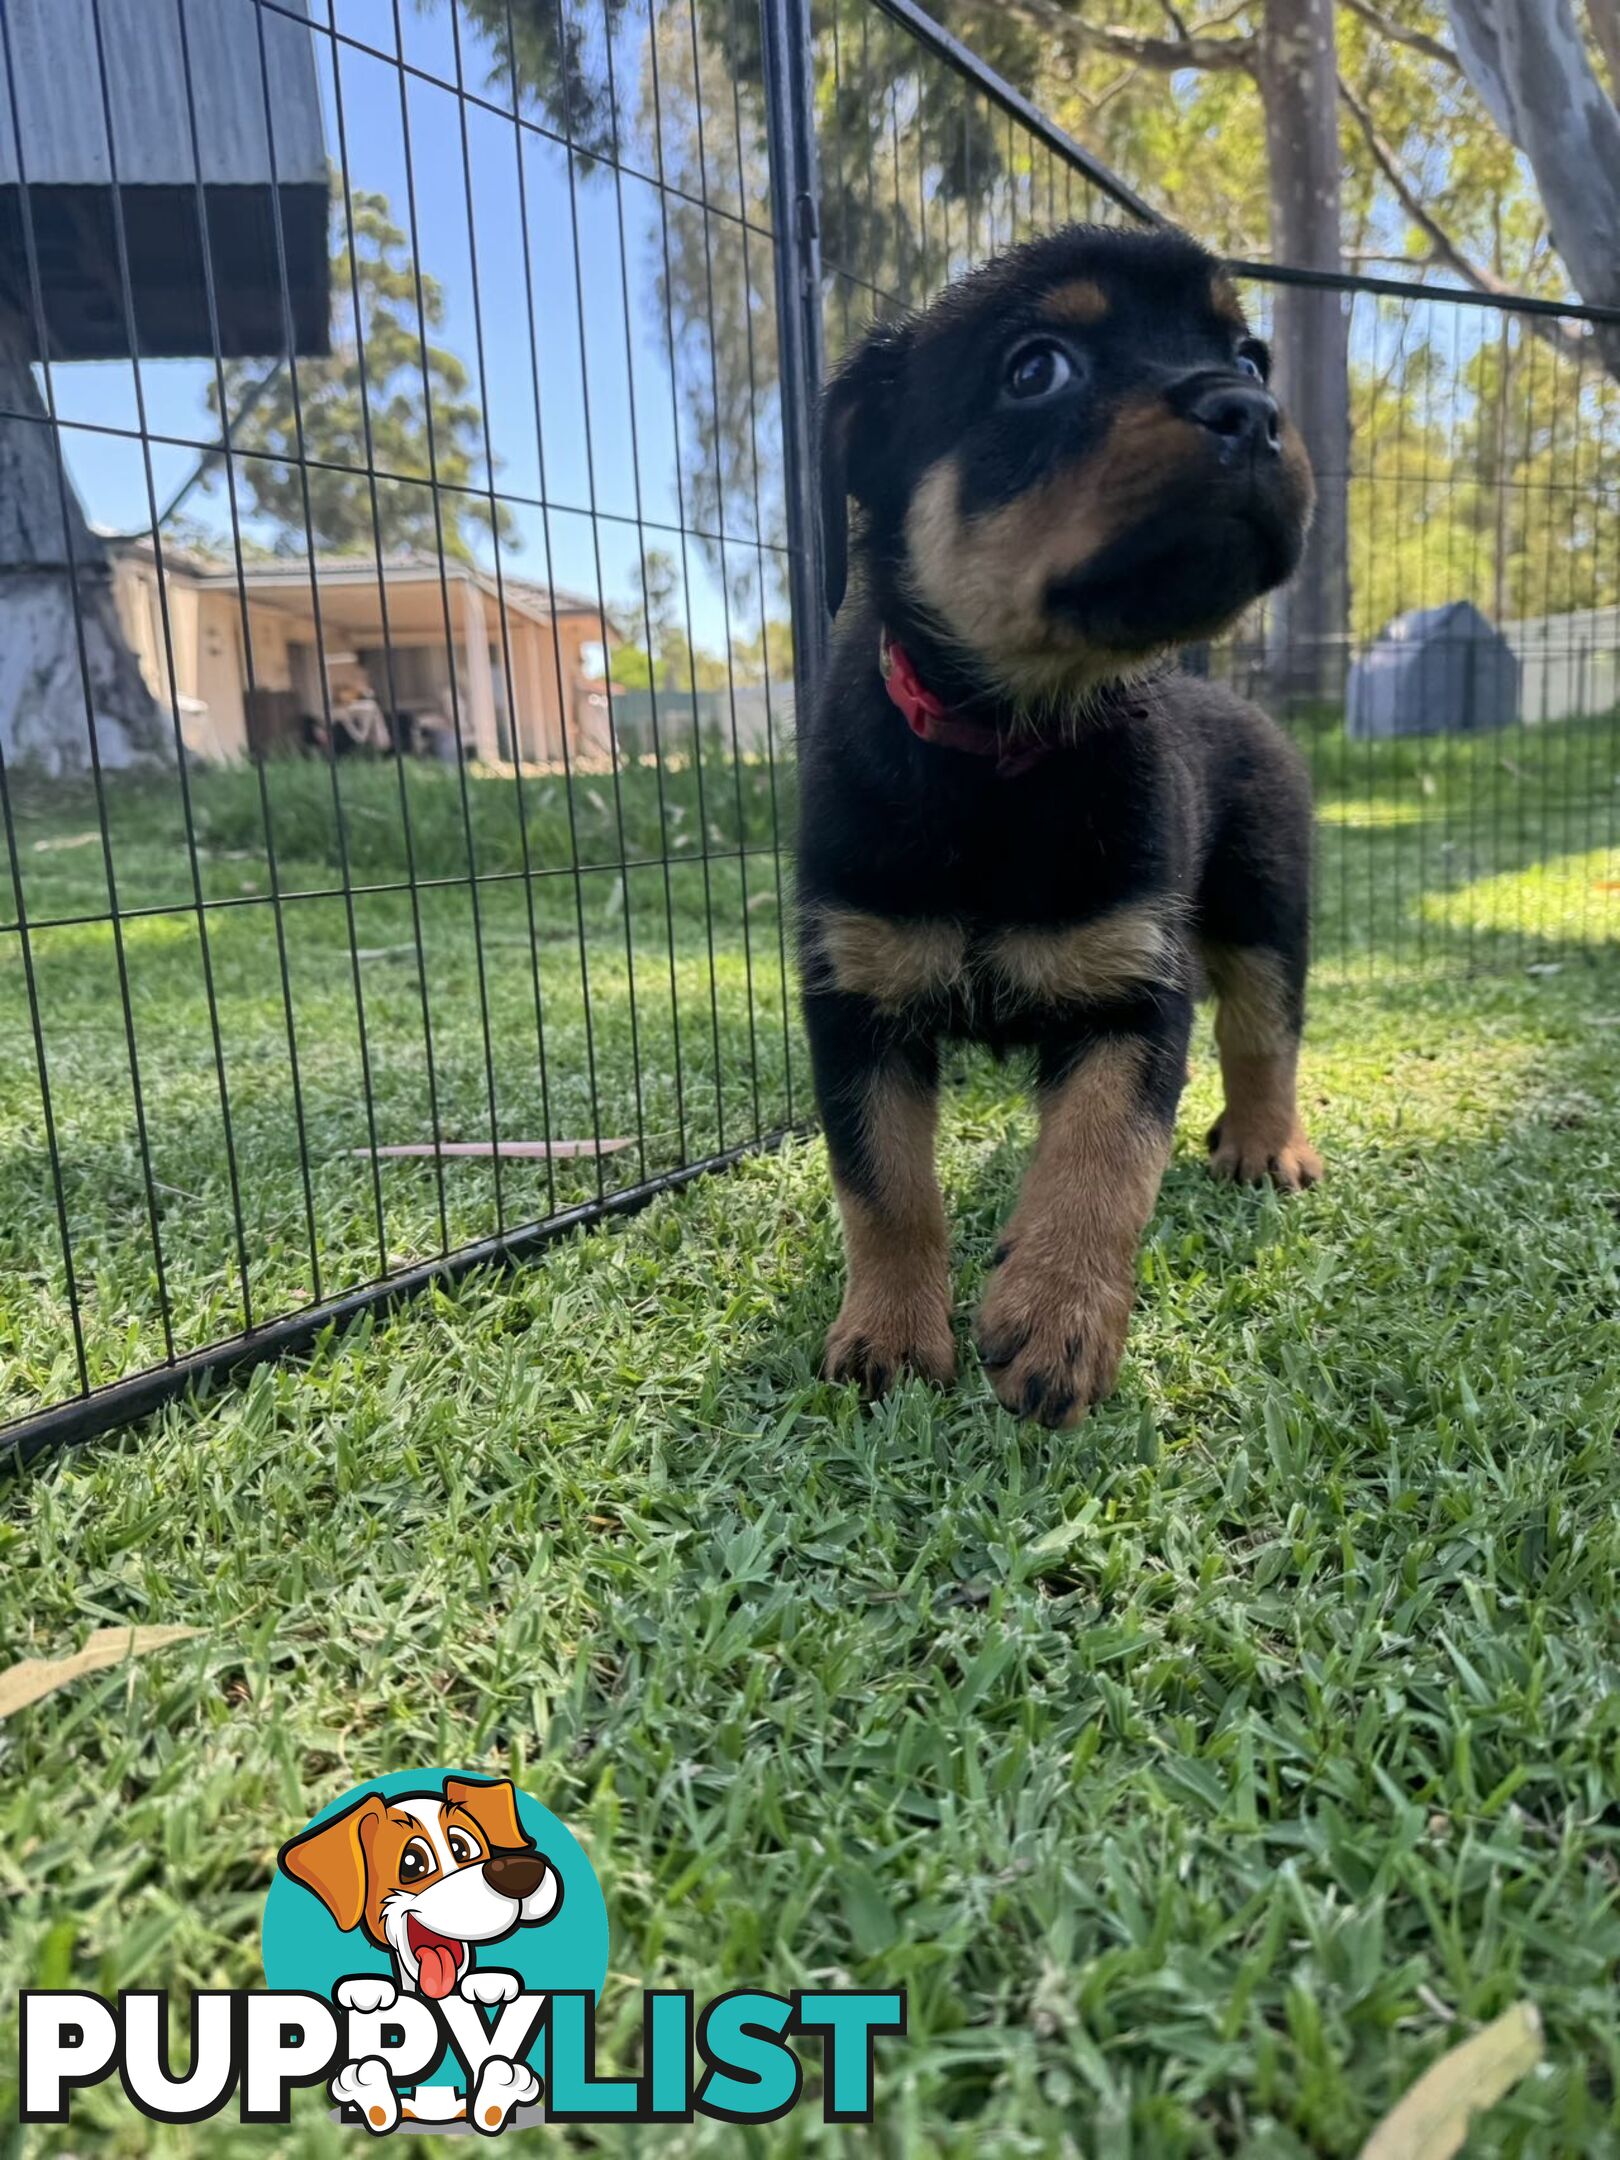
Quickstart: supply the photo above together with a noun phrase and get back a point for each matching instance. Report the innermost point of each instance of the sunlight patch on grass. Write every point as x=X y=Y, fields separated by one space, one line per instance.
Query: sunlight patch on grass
x=1573 y=899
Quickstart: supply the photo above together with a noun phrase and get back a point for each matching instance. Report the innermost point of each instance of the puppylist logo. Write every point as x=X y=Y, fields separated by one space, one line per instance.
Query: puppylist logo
x=434 y=1946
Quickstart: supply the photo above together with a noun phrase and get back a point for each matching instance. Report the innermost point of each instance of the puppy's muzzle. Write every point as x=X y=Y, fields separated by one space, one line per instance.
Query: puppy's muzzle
x=1244 y=418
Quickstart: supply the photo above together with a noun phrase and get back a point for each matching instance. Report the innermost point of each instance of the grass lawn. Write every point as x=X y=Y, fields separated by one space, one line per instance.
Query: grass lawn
x=1201 y=1774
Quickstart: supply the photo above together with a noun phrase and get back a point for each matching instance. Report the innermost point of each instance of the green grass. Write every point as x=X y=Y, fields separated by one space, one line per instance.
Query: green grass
x=1201 y=1774
x=1438 y=858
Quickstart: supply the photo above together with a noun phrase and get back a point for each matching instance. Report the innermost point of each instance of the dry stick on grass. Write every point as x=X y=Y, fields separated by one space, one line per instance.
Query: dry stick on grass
x=484 y=1150
x=34 y=1678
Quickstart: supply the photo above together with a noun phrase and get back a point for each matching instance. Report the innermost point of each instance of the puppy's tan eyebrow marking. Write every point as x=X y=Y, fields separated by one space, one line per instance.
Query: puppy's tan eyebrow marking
x=1081 y=300
x=1224 y=300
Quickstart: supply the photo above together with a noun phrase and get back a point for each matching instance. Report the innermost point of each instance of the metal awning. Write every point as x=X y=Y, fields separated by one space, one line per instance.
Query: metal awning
x=249 y=129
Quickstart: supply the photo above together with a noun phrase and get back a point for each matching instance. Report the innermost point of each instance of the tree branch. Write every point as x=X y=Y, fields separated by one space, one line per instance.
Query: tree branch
x=1208 y=54
x=1418 y=41
x=1444 y=248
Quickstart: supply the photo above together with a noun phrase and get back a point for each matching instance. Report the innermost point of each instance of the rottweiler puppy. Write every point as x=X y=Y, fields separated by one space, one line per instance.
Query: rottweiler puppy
x=1020 y=824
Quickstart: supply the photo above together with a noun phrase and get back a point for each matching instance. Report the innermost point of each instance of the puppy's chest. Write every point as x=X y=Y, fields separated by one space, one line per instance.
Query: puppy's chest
x=977 y=977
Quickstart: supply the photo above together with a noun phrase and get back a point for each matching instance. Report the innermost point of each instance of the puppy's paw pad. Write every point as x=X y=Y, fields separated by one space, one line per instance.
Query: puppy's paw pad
x=490 y=1987
x=368 y=2089
x=502 y=2086
x=875 y=1349
x=366 y=1993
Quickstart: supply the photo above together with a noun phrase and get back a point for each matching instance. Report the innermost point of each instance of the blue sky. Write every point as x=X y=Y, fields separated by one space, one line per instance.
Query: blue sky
x=584 y=467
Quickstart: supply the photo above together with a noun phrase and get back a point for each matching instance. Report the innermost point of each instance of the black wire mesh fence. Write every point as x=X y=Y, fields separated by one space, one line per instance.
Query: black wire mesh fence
x=395 y=845
x=407 y=580
x=1457 y=694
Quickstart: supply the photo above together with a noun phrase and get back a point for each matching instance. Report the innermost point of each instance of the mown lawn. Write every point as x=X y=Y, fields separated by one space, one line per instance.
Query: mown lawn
x=1201 y=1774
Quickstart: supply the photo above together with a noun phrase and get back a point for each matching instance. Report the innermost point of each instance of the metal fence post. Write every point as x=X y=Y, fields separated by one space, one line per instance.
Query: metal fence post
x=796 y=216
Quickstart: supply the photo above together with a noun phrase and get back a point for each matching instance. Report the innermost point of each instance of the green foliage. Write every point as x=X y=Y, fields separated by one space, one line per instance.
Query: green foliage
x=380 y=368
x=1484 y=474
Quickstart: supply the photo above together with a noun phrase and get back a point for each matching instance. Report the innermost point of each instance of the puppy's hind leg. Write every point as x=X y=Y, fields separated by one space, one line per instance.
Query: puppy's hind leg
x=877 y=1086
x=1254 y=934
x=1258 y=1013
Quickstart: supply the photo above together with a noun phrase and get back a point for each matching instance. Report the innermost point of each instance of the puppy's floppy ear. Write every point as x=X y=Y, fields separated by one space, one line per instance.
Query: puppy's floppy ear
x=856 y=415
x=493 y=1807
x=331 y=1860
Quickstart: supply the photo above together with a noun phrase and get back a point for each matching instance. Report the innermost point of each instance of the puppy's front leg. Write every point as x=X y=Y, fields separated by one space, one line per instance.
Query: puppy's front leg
x=877 y=1086
x=1052 y=1326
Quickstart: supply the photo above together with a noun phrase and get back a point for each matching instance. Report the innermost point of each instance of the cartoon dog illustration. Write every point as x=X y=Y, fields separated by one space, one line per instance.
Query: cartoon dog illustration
x=429 y=1877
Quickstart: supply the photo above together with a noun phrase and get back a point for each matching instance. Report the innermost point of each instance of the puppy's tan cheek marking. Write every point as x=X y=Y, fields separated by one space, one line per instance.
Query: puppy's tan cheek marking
x=1107 y=958
x=988 y=576
x=896 y=1310
x=893 y=963
x=1081 y=301
x=958 y=567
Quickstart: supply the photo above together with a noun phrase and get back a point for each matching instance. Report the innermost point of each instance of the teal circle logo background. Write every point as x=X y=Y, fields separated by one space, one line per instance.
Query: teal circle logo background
x=305 y=1948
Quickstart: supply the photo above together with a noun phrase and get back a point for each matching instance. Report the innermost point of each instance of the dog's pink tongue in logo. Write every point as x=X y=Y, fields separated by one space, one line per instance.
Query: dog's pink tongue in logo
x=438 y=1960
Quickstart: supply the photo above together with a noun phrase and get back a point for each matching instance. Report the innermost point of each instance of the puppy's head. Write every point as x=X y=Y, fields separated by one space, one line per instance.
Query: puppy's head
x=429 y=1875
x=1071 y=461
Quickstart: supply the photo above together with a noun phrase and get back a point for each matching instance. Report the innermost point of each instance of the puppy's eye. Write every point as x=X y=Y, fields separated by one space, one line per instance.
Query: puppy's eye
x=1254 y=358
x=416 y=1862
x=1037 y=371
x=462 y=1847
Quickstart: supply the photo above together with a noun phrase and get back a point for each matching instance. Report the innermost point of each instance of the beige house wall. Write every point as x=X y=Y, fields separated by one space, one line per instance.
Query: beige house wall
x=205 y=623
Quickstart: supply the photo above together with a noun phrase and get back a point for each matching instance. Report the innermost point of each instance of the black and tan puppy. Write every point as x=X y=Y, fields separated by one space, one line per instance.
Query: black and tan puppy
x=1020 y=825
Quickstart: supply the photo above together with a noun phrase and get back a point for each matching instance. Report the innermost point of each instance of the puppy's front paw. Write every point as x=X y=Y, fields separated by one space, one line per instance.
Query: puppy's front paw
x=366 y=1992
x=502 y=2086
x=1052 y=1347
x=1247 y=1153
x=367 y=2088
x=877 y=1338
x=490 y=1987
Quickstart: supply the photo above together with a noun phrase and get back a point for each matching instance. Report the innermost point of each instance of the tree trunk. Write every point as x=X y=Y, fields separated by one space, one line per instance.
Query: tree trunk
x=1527 y=60
x=55 y=581
x=1299 y=88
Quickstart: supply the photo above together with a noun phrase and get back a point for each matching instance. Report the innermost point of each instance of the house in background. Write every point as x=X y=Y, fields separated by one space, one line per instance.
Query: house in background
x=383 y=636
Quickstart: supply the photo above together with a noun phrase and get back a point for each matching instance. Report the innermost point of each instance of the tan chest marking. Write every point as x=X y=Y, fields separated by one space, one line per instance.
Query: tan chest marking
x=892 y=963
x=905 y=963
x=1105 y=958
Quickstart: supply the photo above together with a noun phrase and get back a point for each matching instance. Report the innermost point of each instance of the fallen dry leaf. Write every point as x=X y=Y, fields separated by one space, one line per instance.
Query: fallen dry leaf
x=1432 y=2120
x=35 y=1678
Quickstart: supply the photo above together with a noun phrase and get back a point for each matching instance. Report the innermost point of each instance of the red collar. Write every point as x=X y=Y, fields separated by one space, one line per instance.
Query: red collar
x=930 y=719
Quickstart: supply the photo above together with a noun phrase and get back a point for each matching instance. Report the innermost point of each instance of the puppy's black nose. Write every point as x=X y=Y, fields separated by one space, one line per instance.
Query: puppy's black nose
x=514 y=1874
x=1244 y=415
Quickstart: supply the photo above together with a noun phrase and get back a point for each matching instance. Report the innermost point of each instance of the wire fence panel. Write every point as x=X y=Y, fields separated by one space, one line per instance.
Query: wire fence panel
x=1459 y=706
x=407 y=575
x=394 y=805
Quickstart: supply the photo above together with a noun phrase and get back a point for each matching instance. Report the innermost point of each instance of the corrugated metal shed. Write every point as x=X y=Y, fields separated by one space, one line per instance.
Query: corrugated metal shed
x=240 y=57
x=53 y=49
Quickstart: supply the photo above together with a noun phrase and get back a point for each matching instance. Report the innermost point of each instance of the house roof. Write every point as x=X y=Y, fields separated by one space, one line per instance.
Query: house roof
x=271 y=574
